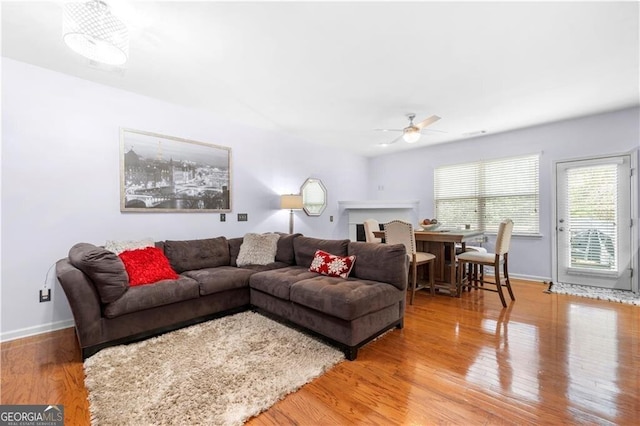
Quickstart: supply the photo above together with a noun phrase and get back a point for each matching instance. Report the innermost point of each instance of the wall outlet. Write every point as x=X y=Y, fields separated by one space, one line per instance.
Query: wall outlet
x=223 y=217
x=45 y=295
x=243 y=217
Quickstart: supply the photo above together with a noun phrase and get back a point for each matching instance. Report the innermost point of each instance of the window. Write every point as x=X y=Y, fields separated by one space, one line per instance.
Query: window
x=483 y=193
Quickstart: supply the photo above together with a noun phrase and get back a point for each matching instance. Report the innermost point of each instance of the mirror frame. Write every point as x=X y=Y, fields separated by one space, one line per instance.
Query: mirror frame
x=317 y=209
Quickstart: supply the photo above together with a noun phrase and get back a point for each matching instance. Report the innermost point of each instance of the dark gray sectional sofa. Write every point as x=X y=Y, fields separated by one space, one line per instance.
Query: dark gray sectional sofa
x=346 y=312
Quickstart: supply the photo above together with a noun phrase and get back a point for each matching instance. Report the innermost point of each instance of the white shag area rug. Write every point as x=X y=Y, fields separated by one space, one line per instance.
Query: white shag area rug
x=221 y=372
x=596 y=293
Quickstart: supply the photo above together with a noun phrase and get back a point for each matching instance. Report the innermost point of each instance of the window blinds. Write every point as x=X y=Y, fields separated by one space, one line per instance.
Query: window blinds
x=483 y=193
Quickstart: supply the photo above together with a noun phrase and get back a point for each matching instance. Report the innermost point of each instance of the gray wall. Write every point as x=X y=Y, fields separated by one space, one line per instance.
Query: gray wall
x=409 y=175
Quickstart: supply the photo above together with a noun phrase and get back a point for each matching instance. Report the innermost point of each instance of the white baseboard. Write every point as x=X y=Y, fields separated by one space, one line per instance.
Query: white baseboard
x=32 y=331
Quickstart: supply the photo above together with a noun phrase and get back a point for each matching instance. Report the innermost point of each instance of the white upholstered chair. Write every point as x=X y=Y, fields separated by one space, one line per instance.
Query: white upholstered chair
x=399 y=232
x=498 y=260
x=371 y=225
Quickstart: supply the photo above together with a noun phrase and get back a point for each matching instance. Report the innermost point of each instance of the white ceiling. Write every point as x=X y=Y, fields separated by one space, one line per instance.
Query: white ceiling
x=331 y=72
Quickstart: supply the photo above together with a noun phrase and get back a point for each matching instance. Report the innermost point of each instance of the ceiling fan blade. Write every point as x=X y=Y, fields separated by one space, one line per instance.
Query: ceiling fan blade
x=387 y=130
x=427 y=121
x=423 y=131
x=392 y=142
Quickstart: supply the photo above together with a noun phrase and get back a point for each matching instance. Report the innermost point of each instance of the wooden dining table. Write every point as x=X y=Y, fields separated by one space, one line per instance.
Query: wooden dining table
x=442 y=244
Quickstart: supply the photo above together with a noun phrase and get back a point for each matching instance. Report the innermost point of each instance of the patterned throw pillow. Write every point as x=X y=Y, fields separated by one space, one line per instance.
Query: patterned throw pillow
x=334 y=266
x=258 y=249
x=118 y=246
x=146 y=266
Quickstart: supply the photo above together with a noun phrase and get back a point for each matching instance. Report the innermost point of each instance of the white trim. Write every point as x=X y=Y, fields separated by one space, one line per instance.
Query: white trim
x=35 y=330
x=635 y=206
x=378 y=204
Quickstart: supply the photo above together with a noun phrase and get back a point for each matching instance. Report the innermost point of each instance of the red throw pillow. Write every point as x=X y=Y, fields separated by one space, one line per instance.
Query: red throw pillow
x=329 y=264
x=147 y=266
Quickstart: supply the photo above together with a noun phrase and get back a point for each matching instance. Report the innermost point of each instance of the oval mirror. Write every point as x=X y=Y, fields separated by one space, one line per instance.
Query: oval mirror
x=314 y=197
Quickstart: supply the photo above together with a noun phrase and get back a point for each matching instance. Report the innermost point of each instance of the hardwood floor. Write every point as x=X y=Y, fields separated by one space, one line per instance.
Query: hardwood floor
x=546 y=359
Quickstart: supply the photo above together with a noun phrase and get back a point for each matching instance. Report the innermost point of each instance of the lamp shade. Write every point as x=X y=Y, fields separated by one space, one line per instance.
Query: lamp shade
x=92 y=31
x=291 y=202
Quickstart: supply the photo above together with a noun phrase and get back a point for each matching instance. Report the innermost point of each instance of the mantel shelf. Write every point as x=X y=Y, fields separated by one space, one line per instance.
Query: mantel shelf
x=378 y=204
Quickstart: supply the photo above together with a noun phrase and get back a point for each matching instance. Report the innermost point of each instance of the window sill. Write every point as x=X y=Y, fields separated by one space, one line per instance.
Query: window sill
x=524 y=236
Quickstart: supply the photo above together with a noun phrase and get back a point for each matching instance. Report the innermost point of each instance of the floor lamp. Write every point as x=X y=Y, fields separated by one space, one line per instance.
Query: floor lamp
x=291 y=202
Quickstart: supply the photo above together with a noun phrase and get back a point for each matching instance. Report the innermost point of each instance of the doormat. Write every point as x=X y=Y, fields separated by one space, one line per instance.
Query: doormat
x=611 y=295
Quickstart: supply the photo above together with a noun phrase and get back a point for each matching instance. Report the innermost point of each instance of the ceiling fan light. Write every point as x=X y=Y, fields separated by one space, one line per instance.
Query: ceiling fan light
x=92 y=31
x=411 y=134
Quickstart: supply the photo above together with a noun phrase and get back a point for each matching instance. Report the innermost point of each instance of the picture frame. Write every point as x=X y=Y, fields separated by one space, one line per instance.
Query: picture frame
x=160 y=173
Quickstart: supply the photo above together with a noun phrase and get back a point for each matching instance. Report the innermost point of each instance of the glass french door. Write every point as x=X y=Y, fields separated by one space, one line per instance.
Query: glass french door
x=593 y=229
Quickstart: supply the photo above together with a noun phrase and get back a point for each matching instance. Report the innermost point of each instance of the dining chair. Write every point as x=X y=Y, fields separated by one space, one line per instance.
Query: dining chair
x=473 y=268
x=499 y=260
x=371 y=225
x=400 y=232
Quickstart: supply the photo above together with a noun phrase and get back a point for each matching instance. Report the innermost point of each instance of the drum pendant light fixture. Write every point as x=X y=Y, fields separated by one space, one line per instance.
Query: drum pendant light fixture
x=91 y=30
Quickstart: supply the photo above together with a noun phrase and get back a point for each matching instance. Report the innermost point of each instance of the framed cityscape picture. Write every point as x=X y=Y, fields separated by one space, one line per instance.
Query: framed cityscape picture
x=161 y=173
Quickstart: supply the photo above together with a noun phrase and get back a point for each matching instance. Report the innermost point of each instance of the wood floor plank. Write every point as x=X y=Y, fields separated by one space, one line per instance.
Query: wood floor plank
x=546 y=359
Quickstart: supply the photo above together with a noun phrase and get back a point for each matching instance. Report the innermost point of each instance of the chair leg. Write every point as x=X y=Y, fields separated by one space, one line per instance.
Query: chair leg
x=460 y=279
x=414 y=280
x=432 y=281
x=506 y=275
x=476 y=277
x=498 y=284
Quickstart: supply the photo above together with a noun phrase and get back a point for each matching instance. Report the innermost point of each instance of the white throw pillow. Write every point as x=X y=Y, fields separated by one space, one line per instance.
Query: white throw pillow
x=258 y=249
x=119 y=246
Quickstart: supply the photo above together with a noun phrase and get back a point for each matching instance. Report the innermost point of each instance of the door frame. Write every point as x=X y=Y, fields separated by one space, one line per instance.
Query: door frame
x=635 y=236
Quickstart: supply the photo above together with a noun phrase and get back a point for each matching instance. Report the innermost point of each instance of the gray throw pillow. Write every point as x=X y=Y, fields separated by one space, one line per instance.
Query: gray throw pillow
x=258 y=249
x=103 y=267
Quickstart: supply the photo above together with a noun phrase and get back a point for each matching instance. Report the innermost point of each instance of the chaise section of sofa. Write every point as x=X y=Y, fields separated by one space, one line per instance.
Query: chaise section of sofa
x=348 y=312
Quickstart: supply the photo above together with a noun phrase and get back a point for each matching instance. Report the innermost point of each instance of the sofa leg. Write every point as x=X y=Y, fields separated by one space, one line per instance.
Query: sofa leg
x=351 y=353
x=400 y=324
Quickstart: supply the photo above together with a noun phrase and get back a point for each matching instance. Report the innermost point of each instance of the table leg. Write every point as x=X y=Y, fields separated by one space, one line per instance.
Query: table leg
x=453 y=286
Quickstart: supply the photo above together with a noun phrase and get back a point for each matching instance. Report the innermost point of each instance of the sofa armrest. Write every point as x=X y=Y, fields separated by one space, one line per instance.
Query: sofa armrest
x=83 y=299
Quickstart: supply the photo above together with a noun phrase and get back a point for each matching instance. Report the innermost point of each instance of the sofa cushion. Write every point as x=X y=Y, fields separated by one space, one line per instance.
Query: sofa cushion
x=118 y=246
x=334 y=266
x=197 y=254
x=346 y=299
x=234 y=250
x=381 y=262
x=305 y=248
x=278 y=281
x=285 y=251
x=269 y=267
x=258 y=249
x=103 y=267
x=146 y=266
x=222 y=278
x=149 y=296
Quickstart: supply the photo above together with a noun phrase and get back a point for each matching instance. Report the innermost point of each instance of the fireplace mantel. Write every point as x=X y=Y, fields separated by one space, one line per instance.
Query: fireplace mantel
x=378 y=204
x=380 y=210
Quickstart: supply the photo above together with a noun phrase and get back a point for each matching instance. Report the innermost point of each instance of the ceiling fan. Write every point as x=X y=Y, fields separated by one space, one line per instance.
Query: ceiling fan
x=412 y=132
